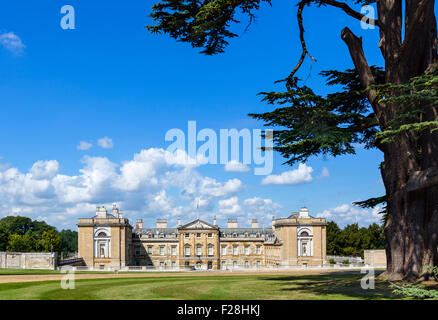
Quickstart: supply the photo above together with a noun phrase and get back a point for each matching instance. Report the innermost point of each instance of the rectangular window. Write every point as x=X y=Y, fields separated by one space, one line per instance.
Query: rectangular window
x=173 y=264
x=235 y=250
x=234 y=264
x=198 y=235
x=187 y=235
x=246 y=264
x=210 y=235
x=199 y=251
x=247 y=250
x=210 y=250
x=259 y=249
x=223 y=250
x=173 y=250
x=161 y=251
x=149 y=249
x=102 y=250
x=187 y=251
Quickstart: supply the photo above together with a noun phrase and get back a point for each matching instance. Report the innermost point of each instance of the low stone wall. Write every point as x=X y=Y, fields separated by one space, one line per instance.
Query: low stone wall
x=375 y=257
x=28 y=260
x=340 y=259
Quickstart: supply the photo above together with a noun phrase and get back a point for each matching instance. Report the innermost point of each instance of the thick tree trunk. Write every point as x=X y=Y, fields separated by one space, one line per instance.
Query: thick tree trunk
x=411 y=184
x=412 y=204
x=411 y=228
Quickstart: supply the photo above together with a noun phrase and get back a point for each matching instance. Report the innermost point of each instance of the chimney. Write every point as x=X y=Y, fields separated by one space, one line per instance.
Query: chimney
x=232 y=223
x=214 y=221
x=304 y=213
x=101 y=212
x=139 y=224
x=161 y=223
x=255 y=224
x=179 y=222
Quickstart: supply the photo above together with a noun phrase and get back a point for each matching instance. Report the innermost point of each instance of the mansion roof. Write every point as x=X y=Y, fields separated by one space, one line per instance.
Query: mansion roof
x=265 y=233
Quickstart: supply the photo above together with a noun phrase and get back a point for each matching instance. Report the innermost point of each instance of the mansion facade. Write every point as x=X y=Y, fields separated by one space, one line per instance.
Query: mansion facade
x=108 y=241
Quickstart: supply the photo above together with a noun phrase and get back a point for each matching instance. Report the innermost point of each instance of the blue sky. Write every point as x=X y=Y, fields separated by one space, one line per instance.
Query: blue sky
x=109 y=78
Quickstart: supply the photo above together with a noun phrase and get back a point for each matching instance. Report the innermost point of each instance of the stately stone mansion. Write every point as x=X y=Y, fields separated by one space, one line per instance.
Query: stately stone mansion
x=108 y=241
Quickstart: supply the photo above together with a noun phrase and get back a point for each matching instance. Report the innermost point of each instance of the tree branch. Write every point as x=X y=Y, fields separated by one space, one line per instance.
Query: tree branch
x=352 y=13
x=303 y=44
x=347 y=9
x=360 y=63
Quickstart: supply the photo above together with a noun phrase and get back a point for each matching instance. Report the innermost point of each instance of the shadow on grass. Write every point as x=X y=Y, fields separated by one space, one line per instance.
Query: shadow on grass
x=341 y=285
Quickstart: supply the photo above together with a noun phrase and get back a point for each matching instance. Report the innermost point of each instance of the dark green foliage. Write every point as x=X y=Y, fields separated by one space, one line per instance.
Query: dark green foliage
x=333 y=246
x=22 y=234
x=371 y=203
x=3 y=238
x=352 y=240
x=50 y=241
x=412 y=100
x=22 y=225
x=204 y=24
x=207 y=23
x=310 y=124
x=21 y=243
x=417 y=291
x=69 y=240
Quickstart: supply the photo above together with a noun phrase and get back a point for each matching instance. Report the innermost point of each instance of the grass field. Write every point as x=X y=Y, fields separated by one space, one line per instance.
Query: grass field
x=187 y=287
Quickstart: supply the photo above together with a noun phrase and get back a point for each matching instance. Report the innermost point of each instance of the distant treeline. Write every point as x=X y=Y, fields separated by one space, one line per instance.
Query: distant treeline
x=352 y=240
x=21 y=234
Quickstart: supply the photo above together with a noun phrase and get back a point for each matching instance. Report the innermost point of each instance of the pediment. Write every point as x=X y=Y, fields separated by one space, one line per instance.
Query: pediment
x=198 y=224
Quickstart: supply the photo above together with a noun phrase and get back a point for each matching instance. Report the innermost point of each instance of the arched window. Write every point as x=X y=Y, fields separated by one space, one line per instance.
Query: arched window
x=305 y=243
x=102 y=234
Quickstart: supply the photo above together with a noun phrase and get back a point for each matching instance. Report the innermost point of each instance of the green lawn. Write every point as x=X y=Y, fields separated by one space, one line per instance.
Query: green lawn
x=27 y=271
x=327 y=286
x=43 y=271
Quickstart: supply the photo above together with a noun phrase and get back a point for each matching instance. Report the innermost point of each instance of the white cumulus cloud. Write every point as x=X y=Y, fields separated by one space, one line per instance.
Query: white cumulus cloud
x=153 y=183
x=106 y=143
x=236 y=166
x=44 y=169
x=11 y=42
x=325 y=173
x=229 y=206
x=348 y=213
x=301 y=175
x=84 y=145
